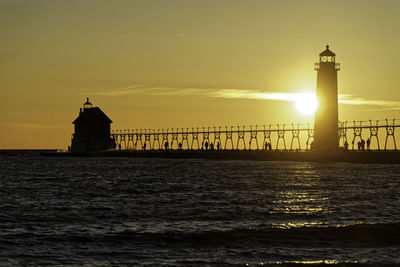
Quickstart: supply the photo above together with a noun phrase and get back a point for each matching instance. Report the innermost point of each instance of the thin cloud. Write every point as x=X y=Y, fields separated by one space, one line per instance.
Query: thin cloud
x=350 y=100
x=231 y=93
x=35 y=125
x=132 y=89
x=156 y=90
x=206 y=92
x=249 y=94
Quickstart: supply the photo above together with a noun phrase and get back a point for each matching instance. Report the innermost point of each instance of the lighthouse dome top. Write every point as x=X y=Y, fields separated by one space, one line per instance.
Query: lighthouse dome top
x=87 y=104
x=327 y=56
x=327 y=53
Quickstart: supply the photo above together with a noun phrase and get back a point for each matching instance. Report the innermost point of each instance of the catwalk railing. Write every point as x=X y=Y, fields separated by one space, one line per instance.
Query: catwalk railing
x=354 y=135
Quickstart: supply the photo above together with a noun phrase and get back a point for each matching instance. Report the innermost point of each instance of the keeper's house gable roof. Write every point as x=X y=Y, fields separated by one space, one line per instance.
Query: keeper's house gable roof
x=92 y=114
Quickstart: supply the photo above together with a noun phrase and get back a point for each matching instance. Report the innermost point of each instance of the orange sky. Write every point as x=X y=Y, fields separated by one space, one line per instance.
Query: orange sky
x=153 y=64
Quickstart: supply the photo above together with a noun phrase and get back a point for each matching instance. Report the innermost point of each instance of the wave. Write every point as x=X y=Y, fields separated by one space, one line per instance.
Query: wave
x=358 y=235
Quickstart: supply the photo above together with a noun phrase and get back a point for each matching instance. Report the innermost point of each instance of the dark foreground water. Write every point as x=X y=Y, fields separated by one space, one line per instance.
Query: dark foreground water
x=123 y=211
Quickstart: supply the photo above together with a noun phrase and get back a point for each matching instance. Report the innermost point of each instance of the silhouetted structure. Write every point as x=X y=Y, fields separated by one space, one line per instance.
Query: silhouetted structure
x=326 y=116
x=92 y=130
x=326 y=135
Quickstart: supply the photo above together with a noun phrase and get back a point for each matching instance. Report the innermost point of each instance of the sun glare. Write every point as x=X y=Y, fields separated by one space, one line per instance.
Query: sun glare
x=306 y=103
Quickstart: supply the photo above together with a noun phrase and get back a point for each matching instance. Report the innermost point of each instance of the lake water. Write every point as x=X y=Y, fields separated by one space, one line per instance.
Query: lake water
x=182 y=212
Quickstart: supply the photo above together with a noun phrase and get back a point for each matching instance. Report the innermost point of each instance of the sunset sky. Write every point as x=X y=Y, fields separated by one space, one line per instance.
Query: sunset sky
x=167 y=63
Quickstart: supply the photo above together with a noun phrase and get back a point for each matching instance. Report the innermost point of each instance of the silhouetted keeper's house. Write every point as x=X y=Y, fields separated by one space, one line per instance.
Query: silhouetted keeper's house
x=92 y=130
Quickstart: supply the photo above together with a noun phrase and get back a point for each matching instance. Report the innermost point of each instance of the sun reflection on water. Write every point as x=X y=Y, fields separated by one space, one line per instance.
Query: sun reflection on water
x=290 y=225
x=302 y=196
x=311 y=262
x=305 y=202
x=333 y=261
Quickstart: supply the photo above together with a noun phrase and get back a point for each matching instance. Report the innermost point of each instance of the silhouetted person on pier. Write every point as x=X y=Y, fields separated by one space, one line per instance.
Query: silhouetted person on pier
x=180 y=146
x=268 y=146
x=346 y=145
x=206 y=145
x=119 y=147
x=368 y=143
x=359 y=145
x=211 y=146
x=144 y=146
x=166 y=145
x=218 y=146
x=362 y=144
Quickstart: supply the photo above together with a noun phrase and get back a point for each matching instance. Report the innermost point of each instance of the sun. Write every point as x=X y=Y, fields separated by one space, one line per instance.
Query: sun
x=306 y=103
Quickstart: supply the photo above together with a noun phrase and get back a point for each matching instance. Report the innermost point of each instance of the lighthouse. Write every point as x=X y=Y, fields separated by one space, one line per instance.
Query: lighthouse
x=326 y=116
x=92 y=130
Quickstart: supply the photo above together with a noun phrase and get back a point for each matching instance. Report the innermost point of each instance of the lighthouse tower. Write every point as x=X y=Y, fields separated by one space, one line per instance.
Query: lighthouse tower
x=326 y=116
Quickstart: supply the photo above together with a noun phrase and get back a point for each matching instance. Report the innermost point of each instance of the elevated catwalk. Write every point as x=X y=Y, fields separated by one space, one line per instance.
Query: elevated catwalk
x=373 y=135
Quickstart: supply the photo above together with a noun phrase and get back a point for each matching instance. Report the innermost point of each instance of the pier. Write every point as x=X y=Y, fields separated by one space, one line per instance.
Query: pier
x=279 y=137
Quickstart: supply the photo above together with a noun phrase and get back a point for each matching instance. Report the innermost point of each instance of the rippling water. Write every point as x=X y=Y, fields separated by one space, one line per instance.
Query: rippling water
x=126 y=211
